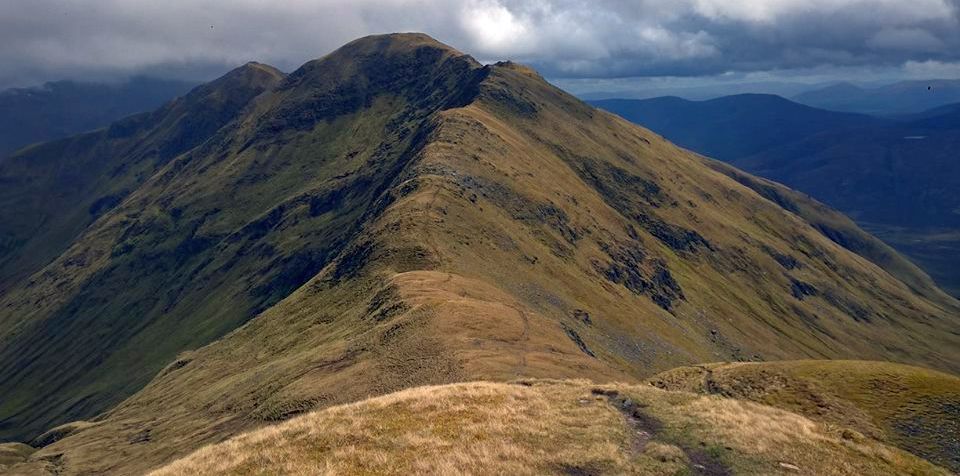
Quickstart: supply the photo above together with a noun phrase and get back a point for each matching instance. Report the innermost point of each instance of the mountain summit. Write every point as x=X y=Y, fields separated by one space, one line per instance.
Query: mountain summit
x=396 y=214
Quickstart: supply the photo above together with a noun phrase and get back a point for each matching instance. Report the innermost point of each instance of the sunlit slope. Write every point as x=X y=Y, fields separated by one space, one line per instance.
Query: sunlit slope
x=549 y=427
x=909 y=407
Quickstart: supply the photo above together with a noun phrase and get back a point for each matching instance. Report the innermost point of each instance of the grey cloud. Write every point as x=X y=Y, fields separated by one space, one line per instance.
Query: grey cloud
x=52 y=39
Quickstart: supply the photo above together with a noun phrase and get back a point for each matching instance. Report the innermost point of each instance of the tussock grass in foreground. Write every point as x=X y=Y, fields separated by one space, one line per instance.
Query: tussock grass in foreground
x=544 y=427
x=912 y=408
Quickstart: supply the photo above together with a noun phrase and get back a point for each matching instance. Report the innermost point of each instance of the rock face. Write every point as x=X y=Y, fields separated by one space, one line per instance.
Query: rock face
x=396 y=214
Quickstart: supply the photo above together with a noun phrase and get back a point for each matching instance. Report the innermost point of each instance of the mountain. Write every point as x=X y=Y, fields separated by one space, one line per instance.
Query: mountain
x=64 y=108
x=905 y=97
x=944 y=115
x=732 y=127
x=393 y=215
x=905 y=172
x=897 y=178
x=52 y=192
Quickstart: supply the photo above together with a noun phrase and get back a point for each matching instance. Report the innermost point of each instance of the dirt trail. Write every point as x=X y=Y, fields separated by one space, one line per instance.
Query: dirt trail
x=709 y=386
x=643 y=426
x=646 y=428
x=524 y=338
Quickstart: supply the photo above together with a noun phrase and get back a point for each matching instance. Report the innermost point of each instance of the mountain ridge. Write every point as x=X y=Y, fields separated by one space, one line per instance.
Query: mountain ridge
x=551 y=427
x=357 y=231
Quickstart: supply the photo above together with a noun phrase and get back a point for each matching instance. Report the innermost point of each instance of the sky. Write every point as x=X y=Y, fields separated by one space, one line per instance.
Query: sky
x=583 y=45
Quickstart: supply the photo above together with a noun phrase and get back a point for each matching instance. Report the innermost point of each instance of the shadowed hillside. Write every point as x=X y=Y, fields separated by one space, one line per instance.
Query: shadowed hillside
x=63 y=108
x=900 y=181
x=396 y=214
x=94 y=298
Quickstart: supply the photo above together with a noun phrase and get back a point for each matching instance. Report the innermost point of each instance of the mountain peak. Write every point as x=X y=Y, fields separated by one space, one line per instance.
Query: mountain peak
x=424 y=74
x=258 y=68
x=520 y=68
x=250 y=75
x=388 y=48
x=396 y=43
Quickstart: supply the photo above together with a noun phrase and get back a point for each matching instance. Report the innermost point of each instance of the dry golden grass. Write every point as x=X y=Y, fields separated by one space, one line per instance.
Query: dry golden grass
x=766 y=434
x=12 y=453
x=463 y=428
x=913 y=408
x=544 y=427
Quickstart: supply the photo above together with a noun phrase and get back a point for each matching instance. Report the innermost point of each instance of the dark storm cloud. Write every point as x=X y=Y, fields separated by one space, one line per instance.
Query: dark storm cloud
x=45 y=39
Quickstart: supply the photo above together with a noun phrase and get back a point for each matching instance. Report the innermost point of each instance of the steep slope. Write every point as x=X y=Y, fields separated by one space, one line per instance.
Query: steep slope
x=909 y=407
x=424 y=219
x=202 y=245
x=51 y=192
x=838 y=228
x=732 y=127
x=897 y=178
x=64 y=108
x=549 y=427
x=900 y=181
x=906 y=173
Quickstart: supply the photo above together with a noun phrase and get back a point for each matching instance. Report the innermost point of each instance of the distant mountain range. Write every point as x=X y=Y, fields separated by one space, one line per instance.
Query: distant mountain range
x=900 y=178
x=697 y=92
x=63 y=108
x=732 y=127
x=905 y=97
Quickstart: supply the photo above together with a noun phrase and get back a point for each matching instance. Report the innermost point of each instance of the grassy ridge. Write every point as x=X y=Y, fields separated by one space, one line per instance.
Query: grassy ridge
x=910 y=407
x=548 y=427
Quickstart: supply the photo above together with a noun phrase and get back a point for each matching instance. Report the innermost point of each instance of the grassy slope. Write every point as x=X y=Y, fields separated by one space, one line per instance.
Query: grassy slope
x=62 y=331
x=909 y=407
x=865 y=167
x=936 y=250
x=207 y=243
x=14 y=453
x=840 y=230
x=179 y=251
x=906 y=190
x=548 y=427
x=51 y=192
x=526 y=234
